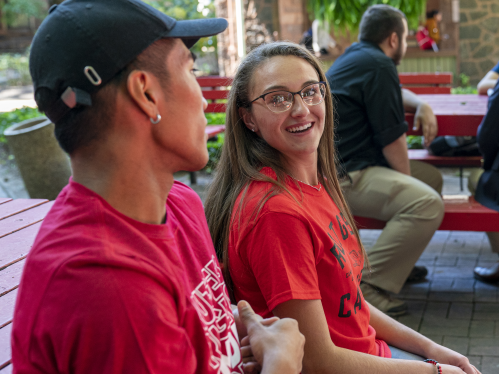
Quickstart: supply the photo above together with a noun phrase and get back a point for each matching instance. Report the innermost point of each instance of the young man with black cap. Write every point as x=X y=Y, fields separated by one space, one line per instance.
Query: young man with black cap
x=117 y=281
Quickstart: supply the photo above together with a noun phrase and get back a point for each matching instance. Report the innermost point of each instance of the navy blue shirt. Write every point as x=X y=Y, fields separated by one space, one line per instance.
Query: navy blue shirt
x=496 y=68
x=369 y=111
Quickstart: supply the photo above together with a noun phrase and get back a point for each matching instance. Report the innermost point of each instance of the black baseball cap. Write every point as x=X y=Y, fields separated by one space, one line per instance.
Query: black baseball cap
x=83 y=44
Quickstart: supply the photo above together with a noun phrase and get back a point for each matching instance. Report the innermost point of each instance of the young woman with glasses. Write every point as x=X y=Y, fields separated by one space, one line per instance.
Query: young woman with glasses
x=283 y=231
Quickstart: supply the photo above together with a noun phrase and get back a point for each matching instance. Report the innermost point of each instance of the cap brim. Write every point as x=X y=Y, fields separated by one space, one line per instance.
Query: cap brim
x=190 y=31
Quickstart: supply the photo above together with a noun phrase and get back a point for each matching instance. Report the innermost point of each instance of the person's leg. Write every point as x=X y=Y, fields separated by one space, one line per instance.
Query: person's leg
x=404 y=355
x=428 y=174
x=490 y=274
x=413 y=212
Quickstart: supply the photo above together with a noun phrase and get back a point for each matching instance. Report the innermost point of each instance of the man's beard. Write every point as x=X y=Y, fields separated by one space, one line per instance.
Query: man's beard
x=398 y=55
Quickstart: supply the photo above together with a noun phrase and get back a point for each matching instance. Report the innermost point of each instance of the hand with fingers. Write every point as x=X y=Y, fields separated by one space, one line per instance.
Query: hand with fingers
x=273 y=345
x=452 y=360
x=425 y=119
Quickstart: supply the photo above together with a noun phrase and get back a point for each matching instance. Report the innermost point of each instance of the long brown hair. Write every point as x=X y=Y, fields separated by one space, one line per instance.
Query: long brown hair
x=244 y=154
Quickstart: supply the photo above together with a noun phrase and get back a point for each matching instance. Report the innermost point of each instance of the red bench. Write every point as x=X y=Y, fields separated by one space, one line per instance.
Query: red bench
x=462 y=213
x=431 y=83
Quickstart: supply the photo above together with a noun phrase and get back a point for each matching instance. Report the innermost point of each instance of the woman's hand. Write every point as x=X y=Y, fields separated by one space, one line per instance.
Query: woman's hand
x=449 y=357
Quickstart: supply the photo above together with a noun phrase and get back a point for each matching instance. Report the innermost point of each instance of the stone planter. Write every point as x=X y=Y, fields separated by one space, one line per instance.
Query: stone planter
x=44 y=166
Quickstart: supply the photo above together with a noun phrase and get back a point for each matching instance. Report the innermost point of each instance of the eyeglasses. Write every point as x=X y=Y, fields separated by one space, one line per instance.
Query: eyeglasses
x=281 y=101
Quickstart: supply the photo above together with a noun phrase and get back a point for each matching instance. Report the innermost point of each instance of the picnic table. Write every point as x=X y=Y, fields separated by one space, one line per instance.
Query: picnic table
x=20 y=221
x=458 y=115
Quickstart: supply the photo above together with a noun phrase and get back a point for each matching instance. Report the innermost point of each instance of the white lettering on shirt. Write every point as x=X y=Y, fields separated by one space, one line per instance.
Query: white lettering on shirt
x=213 y=306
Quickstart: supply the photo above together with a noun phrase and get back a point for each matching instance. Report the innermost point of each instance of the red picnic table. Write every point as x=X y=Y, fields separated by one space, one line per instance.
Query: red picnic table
x=458 y=115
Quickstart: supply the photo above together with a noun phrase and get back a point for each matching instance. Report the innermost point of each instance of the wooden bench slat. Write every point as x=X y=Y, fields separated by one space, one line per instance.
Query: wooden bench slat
x=7 y=304
x=19 y=205
x=216 y=95
x=10 y=277
x=4 y=199
x=15 y=247
x=214 y=81
x=461 y=214
x=215 y=108
x=450 y=125
x=24 y=219
x=421 y=78
x=5 y=351
x=429 y=90
x=424 y=156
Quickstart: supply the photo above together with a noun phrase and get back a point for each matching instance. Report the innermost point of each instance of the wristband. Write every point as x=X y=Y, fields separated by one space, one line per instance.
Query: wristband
x=434 y=362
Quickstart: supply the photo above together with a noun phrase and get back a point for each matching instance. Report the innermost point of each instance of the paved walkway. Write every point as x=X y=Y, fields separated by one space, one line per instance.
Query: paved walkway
x=16 y=97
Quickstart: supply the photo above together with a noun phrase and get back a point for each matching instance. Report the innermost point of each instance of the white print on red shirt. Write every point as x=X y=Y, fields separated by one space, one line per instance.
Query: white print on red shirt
x=213 y=306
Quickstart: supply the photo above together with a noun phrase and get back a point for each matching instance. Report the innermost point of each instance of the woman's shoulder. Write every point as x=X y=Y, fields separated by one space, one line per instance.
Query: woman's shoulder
x=265 y=197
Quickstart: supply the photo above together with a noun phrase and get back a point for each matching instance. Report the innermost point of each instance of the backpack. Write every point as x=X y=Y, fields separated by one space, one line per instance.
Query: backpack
x=454 y=146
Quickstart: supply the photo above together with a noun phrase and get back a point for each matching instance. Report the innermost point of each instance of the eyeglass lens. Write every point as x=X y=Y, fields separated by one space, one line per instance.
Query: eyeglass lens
x=280 y=101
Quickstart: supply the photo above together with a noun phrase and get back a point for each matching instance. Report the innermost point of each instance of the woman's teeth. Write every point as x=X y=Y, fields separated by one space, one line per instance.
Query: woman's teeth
x=300 y=128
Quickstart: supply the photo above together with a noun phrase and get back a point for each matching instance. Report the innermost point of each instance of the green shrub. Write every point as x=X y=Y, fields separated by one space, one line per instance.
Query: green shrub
x=214 y=151
x=414 y=142
x=8 y=119
x=464 y=90
x=215 y=118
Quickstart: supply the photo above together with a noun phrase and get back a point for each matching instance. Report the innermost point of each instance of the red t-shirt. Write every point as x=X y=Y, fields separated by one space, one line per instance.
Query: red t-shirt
x=103 y=293
x=303 y=251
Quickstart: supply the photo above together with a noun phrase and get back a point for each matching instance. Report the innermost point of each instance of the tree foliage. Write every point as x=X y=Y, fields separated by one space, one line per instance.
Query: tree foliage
x=184 y=9
x=346 y=14
x=188 y=9
x=12 y=9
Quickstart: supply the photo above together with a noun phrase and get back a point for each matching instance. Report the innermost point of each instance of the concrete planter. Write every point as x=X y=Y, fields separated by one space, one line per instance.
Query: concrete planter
x=44 y=166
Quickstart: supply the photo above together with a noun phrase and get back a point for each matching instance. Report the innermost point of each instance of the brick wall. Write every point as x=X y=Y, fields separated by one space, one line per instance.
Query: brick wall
x=479 y=37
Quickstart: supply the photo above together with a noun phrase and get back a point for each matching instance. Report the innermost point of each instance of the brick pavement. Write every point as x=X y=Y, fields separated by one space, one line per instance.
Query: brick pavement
x=451 y=307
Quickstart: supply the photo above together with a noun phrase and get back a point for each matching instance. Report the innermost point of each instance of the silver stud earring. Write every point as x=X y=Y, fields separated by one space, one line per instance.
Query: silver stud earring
x=156 y=121
x=253 y=130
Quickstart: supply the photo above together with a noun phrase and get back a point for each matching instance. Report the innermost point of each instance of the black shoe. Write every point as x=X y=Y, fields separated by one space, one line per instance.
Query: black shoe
x=418 y=274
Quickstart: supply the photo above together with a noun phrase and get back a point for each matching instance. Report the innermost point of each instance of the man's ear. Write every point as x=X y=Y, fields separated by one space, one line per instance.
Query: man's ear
x=144 y=90
x=394 y=40
x=248 y=119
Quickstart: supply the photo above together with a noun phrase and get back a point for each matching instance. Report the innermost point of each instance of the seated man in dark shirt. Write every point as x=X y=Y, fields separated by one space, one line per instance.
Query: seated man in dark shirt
x=382 y=183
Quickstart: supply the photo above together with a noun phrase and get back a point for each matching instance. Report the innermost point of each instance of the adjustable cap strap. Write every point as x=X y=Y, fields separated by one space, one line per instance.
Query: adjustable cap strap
x=71 y=98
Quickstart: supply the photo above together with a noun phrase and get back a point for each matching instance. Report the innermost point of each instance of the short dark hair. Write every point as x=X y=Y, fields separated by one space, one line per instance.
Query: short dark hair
x=379 y=22
x=432 y=13
x=84 y=125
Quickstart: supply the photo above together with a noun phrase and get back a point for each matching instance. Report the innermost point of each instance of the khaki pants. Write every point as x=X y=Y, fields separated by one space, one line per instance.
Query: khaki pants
x=472 y=183
x=413 y=209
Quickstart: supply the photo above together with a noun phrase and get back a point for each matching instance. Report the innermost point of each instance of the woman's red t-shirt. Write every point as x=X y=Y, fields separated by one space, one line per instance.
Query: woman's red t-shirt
x=304 y=251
